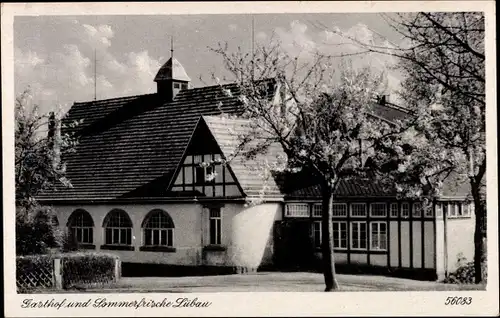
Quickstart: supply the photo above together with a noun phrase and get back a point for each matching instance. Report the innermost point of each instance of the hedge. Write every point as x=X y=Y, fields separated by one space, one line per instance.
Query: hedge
x=87 y=269
x=80 y=269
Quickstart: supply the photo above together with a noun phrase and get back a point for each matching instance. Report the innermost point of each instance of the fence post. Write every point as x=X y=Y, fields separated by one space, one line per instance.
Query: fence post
x=57 y=273
x=118 y=267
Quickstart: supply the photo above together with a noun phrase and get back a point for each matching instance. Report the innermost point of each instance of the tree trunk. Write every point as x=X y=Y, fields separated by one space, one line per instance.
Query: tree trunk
x=327 y=239
x=479 y=246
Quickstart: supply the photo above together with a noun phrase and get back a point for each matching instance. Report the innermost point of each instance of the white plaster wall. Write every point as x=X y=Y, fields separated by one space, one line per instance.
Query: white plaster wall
x=251 y=231
x=440 y=249
x=417 y=244
x=187 y=234
x=378 y=260
x=460 y=240
x=394 y=244
x=359 y=259
x=405 y=244
x=430 y=248
x=247 y=233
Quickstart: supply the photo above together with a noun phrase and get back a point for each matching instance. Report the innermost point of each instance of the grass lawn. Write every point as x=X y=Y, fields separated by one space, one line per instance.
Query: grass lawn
x=273 y=282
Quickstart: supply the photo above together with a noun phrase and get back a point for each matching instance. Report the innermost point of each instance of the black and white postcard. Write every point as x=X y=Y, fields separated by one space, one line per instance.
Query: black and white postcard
x=250 y=158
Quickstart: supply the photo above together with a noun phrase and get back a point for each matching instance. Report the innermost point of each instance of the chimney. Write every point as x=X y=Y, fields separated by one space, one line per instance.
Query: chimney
x=52 y=137
x=52 y=130
x=383 y=99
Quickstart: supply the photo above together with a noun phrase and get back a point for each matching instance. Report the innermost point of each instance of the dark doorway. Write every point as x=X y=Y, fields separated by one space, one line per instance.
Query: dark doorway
x=293 y=245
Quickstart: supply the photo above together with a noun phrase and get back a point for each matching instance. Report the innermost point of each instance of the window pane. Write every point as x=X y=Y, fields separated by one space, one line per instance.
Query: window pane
x=85 y=235
x=358 y=209
x=91 y=235
x=79 y=235
x=405 y=209
x=170 y=240
x=109 y=236
x=123 y=236
x=362 y=243
x=339 y=209
x=215 y=213
x=317 y=210
x=417 y=209
x=116 y=236
x=212 y=231
x=394 y=210
x=378 y=209
x=156 y=237
x=147 y=237
x=297 y=210
x=383 y=241
x=218 y=232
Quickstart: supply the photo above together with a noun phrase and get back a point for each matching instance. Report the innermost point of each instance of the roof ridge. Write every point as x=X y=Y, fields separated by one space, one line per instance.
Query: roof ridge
x=113 y=98
x=231 y=83
x=396 y=107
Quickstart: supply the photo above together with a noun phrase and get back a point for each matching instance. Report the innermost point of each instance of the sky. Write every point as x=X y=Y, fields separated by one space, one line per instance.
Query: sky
x=54 y=55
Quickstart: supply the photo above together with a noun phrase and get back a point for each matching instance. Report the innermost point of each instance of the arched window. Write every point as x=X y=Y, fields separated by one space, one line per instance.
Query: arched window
x=158 y=229
x=81 y=226
x=117 y=228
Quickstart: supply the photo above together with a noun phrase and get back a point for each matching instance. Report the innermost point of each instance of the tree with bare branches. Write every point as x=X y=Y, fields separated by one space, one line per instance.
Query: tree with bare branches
x=322 y=120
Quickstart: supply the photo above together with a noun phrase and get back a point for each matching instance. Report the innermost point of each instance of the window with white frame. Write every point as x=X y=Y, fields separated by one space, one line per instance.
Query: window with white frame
x=158 y=229
x=417 y=209
x=445 y=208
x=466 y=208
x=428 y=210
x=358 y=235
x=297 y=210
x=317 y=210
x=405 y=210
x=358 y=209
x=340 y=235
x=215 y=226
x=316 y=232
x=458 y=209
x=378 y=209
x=439 y=209
x=394 y=210
x=453 y=210
x=81 y=227
x=339 y=209
x=118 y=228
x=378 y=236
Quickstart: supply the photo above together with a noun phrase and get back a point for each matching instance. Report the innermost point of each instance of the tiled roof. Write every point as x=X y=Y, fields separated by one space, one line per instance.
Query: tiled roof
x=131 y=147
x=389 y=112
x=172 y=69
x=141 y=145
x=251 y=173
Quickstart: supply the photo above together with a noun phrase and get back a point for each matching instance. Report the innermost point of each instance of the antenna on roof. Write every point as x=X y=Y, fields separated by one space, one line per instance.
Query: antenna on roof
x=171 y=46
x=95 y=74
x=253 y=49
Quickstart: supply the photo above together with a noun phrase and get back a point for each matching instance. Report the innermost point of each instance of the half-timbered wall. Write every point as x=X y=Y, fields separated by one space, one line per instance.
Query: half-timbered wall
x=205 y=174
x=398 y=234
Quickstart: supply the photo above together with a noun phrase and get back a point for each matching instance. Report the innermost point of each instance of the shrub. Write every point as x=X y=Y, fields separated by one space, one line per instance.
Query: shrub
x=83 y=269
x=36 y=231
x=464 y=274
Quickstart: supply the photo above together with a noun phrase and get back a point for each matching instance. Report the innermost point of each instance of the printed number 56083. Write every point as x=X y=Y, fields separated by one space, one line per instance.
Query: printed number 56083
x=458 y=301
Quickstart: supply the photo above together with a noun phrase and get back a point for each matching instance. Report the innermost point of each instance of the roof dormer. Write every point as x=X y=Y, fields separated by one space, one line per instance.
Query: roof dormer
x=171 y=78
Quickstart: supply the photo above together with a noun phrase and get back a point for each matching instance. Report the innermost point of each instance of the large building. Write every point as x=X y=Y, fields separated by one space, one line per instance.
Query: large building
x=149 y=183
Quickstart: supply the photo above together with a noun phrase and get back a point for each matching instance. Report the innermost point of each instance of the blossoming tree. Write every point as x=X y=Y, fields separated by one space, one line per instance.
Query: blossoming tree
x=323 y=121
